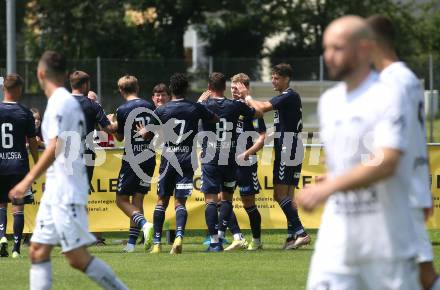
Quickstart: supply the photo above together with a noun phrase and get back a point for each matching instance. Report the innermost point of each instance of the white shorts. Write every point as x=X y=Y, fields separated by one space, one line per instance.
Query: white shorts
x=62 y=224
x=381 y=275
x=424 y=253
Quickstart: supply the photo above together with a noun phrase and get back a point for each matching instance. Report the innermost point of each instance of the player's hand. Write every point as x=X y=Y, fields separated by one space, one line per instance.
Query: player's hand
x=310 y=197
x=17 y=193
x=243 y=156
x=428 y=212
x=243 y=90
x=205 y=96
x=140 y=130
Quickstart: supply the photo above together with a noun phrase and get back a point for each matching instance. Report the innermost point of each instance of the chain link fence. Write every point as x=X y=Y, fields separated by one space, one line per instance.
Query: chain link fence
x=309 y=74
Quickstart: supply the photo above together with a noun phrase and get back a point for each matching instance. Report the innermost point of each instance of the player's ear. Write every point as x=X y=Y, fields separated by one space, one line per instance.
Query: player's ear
x=40 y=74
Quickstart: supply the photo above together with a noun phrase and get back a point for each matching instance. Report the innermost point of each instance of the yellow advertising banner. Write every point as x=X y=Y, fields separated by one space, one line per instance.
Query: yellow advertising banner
x=104 y=215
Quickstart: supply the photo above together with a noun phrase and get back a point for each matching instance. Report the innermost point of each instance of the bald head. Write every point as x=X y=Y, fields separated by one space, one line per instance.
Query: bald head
x=353 y=28
x=347 y=46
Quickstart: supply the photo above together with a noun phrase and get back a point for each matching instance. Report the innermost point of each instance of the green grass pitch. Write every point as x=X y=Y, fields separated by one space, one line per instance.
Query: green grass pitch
x=270 y=268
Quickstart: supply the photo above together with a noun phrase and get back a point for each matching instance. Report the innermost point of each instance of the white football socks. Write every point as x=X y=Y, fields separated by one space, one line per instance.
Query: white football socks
x=41 y=276
x=103 y=275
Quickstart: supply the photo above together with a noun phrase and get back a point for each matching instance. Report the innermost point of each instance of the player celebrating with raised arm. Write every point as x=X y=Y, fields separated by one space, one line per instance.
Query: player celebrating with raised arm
x=182 y=117
x=247 y=167
x=288 y=124
x=130 y=184
x=62 y=216
x=17 y=124
x=218 y=156
x=401 y=78
x=366 y=237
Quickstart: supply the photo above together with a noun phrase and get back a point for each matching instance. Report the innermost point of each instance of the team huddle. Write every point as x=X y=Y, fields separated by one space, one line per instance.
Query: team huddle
x=372 y=132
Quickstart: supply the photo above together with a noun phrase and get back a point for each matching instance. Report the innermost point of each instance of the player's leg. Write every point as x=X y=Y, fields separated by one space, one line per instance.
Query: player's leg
x=3 y=225
x=96 y=269
x=285 y=179
x=18 y=214
x=43 y=239
x=158 y=221
x=183 y=190
x=227 y=186
x=137 y=201
x=128 y=183
x=247 y=179
x=254 y=220
x=181 y=218
x=4 y=190
x=210 y=188
x=71 y=226
x=40 y=276
x=165 y=188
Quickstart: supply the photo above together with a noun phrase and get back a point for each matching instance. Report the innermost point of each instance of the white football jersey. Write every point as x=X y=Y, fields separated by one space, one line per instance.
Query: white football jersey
x=66 y=178
x=403 y=80
x=374 y=222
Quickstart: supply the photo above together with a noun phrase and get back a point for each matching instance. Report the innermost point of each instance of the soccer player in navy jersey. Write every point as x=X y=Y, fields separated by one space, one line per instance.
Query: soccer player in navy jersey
x=182 y=117
x=16 y=124
x=253 y=132
x=131 y=183
x=95 y=115
x=218 y=156
x=288 y=125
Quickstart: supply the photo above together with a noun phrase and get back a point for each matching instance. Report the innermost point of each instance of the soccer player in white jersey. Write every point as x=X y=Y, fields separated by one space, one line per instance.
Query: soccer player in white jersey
x=402 y=79
x=62 y=216
x=365 y=240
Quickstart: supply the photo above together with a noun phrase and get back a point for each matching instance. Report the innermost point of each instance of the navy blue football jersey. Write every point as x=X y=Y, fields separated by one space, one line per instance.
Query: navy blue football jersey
x=93 y=112
x=225 y=129
x=183 y=117
x=16 y=123
x=138 y=144
x=250 y=124
x=288 y=113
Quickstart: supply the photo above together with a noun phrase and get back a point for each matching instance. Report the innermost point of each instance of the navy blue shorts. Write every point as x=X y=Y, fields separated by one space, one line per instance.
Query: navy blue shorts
x=283 y=173
x=172 y=182
x=7 y=182
x=129 y=183
x=218 y=178
x=247 y=180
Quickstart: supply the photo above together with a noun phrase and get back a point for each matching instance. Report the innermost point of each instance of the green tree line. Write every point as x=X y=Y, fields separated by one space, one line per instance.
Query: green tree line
x=154 y=29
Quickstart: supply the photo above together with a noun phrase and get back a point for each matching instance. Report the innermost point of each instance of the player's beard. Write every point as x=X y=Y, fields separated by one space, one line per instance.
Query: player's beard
x=342 y=73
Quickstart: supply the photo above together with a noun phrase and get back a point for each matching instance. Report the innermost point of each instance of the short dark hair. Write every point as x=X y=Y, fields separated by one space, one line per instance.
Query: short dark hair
x=178 y=84
x=13 y=81
x=383 y=29
x=78 y=78
x=283 y=70
x=128 y=84
x=217 y=81
x=160 y=88
x=54 y=64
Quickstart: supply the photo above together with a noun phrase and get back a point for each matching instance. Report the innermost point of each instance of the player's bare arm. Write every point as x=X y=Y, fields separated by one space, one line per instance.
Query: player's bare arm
x=259 y=143
x=382 y=166
x=33 y=148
